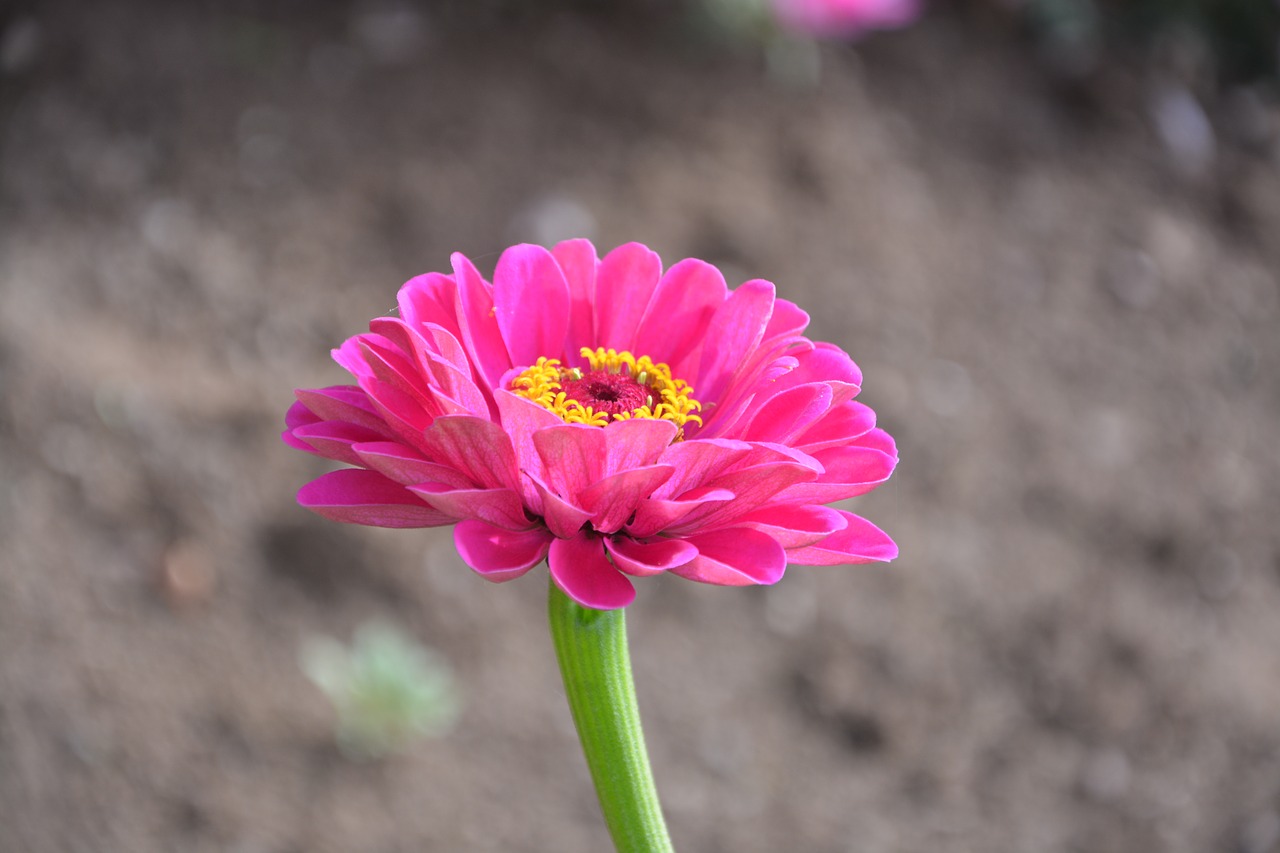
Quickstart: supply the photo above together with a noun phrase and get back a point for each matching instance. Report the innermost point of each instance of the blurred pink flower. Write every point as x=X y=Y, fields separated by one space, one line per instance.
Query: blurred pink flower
x=547 y=415
x=844 y=18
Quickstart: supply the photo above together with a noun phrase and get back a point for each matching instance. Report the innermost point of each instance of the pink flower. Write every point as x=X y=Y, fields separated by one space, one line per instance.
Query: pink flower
x=844 y=18
x=618 y=420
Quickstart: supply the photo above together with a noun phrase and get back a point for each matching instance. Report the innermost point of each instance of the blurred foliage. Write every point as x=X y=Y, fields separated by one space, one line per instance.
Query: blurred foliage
x=386 y=688
x=1241 y=38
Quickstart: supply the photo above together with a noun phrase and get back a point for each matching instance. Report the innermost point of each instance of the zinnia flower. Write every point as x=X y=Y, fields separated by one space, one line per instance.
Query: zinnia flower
x=844 y=18
x=615 y=419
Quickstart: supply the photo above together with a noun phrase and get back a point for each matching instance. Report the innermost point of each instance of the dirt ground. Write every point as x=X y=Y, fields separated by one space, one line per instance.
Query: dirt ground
x=1072 y=337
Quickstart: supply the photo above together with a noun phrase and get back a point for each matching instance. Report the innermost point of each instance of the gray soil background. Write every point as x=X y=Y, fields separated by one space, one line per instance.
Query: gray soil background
x=1073 y=339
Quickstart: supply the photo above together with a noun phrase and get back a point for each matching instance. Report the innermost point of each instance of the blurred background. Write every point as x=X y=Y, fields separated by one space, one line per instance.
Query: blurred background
x=1048 y=231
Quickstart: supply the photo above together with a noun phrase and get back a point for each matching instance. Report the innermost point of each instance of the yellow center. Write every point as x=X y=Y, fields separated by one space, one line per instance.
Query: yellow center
x=617 y=387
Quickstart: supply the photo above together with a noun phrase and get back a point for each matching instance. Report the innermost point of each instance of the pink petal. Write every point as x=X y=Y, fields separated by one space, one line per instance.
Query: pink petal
x=734 y=333
x=365 y=497
x=859 y=542
x=573 y=457
x=430 y=298
x=561 y=517
x=840 y=426
x=614 y=499
x=333 y=439
x=577 y=259
x=751 y=487
x=476 y=447
x=499 y=555
x=448 y=376
x=849 y=471
x=521 y=418
x=531 y=303
x=698 y=462
x=406 y=465
x=786 y=414
x=581 y=569
x=735 y=558
x=787 y=321
x=625 y=282
x=794 y=526
x=656 y=515
x=641 y=558
x=342 y=403
x=497 y=507
x=681 y=307
x=635 y=442
x=479 y=328
x=299 y=415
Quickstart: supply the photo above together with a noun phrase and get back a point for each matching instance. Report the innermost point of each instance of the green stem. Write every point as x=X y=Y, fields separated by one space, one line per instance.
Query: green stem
x=592 y=648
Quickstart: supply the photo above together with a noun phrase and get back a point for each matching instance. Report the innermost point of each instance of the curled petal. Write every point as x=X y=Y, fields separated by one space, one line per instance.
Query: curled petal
x=656 y=515
x=614 y=499
x=496 y=554
x=581 y=569
x=644 y=557
x=356 y=496
x=735 y=558
x=859 y=542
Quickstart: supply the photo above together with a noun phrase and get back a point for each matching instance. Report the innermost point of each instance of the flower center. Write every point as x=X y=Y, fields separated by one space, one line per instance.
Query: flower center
x=617 y=386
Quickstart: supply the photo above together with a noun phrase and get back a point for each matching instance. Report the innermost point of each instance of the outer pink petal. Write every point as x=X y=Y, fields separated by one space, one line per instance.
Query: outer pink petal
x=625 y=282
x=794 y=526
x=840 y=426
x=849 y=471
x=521 y=418
x=581 y=569
x=498 y=507
x=676 y=320
x=342 y=403
x=642 y=558
x=479 y=328
x=366 y=497
x=752 y=487
x=735 y=558
x=531 y=303
x=788 y=413
x=577 y=259
x=441 y=362
x=635 y=442
x=499 y=555
x=614 y=499
x=406 y=465
x=698 y=462
x=334 y=439
x=859 y=542
x=656 y=514
x=573 y=456
x=563 y=518
x=478 y=448
x=430 y=298
x=735 y=331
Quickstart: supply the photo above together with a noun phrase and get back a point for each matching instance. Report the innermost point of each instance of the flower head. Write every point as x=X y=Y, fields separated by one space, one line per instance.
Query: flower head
x=844 y=18
x=615 y=419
